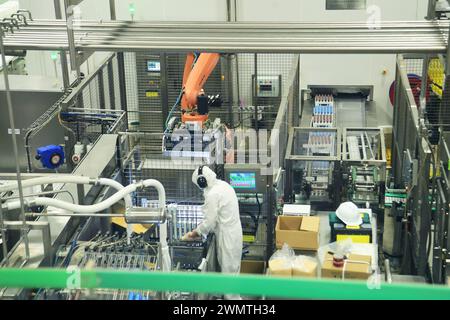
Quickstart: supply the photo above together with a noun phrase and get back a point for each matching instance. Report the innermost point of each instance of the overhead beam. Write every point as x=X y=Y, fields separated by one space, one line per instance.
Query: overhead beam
x=392 y=37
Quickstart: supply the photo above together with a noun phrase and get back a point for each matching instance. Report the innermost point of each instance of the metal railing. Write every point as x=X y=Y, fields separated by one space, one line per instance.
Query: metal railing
x=252 y=285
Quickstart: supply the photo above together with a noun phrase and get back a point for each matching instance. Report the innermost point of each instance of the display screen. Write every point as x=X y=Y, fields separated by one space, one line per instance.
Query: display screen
x=153 y=66
x=265 y=87
x=243 y=180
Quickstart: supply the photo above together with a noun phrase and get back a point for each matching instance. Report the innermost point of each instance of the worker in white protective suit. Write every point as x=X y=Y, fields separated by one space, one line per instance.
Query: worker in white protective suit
x=221 y=216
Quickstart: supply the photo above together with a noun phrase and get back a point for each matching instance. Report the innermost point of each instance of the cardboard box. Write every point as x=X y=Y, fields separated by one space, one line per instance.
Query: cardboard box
x=356 y=267
x=301 y=233
x=304 y=268
x=253 y=267
x=280 y=267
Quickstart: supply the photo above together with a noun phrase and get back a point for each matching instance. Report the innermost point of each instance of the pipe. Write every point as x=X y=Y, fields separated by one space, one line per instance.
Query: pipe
x=78 y=180
x=3 y=234
x=387 y=267
x=24 y=229
x=69 y=179
x=122 y=193
x=45 y=193
x=96 y=215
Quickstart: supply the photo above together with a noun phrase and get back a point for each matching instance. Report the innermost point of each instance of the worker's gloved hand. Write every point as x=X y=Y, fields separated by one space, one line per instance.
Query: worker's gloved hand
x=190 y=236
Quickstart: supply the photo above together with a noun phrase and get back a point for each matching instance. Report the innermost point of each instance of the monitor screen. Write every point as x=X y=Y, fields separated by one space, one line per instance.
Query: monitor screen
x=265 y=87
x=153 y=66
x=243 y=180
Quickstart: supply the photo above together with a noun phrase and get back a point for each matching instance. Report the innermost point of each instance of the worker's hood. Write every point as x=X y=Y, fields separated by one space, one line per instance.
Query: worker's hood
x=209 y=175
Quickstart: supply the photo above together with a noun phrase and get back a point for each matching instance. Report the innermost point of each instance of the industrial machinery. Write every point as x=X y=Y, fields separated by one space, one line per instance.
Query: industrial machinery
x=193 y=135
x=101 y=212
x=364 y=166
x=255 y=198
x=313 y=161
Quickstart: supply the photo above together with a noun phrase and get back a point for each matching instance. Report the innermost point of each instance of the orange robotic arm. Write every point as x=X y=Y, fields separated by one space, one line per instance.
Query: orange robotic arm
x=194 y=79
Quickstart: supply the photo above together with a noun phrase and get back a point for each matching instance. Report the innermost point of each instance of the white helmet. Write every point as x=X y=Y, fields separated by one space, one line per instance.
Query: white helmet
x=348 y=213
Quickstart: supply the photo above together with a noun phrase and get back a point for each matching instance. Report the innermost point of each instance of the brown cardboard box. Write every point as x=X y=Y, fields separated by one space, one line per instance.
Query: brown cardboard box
x=280 y=267
x=357 y=267
x=301 y=233
x=253 y=267
x=304 y=268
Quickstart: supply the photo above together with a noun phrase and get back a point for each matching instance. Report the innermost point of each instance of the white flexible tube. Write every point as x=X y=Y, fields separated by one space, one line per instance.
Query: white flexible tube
x=68 y=179
x=123 y=192
x=42 y=201
x=48 y=180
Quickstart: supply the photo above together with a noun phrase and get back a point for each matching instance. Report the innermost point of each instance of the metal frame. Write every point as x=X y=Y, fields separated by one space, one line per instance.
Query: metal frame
x=368 y=162
x=78 y=89
x=441 y=244
x=293 y=157
x=391 y=37
x=409 y=135
x=252 y=285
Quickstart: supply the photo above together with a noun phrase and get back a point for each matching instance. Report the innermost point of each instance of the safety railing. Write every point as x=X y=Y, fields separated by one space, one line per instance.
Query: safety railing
x=287 y=115
x=252 y=285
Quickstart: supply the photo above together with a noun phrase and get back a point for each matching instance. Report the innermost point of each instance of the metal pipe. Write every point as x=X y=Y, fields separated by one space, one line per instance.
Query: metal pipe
x=70 y=36
x=387 y=267
x=249 y=25
x=369 y=145
x=431 y=10
x=405 y=37
x=84 y=32
x=122 y=81
x=24 y=229
x=62 y=54
x=447 y=60
x=112 y=9
x=3 y=233
x=127 y=28
x=44 y=193
x=216 y=39
x=361 y=39
x=424 y=86
x=255 y=97
x=99 y=215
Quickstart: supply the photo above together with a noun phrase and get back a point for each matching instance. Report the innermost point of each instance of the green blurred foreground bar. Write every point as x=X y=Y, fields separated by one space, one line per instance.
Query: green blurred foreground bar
x=218 y=284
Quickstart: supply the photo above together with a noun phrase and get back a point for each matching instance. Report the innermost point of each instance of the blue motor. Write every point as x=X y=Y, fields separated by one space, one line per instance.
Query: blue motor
x=50 y=156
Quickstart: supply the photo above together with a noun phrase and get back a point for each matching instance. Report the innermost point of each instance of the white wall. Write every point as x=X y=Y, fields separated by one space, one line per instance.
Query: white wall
x=314 y=10
x=39 y=63
x=173 y=10
x=8 y=8
x=206 y=10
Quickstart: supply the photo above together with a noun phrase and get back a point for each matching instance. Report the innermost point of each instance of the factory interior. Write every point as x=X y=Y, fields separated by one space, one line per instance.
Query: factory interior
x=224 y=149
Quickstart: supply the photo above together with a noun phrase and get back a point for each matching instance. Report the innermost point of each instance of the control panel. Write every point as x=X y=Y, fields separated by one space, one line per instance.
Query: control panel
x=268 y=86
x=245 y=179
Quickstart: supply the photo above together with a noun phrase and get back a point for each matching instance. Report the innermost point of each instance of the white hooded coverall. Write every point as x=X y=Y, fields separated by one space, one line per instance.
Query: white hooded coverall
x=221 y=216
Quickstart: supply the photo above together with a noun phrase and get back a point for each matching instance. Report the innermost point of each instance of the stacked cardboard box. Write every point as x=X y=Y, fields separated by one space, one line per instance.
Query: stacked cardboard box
x=301 y=233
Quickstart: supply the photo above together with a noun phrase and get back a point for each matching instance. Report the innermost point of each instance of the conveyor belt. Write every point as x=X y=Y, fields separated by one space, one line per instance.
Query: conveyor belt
x=351 y=112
